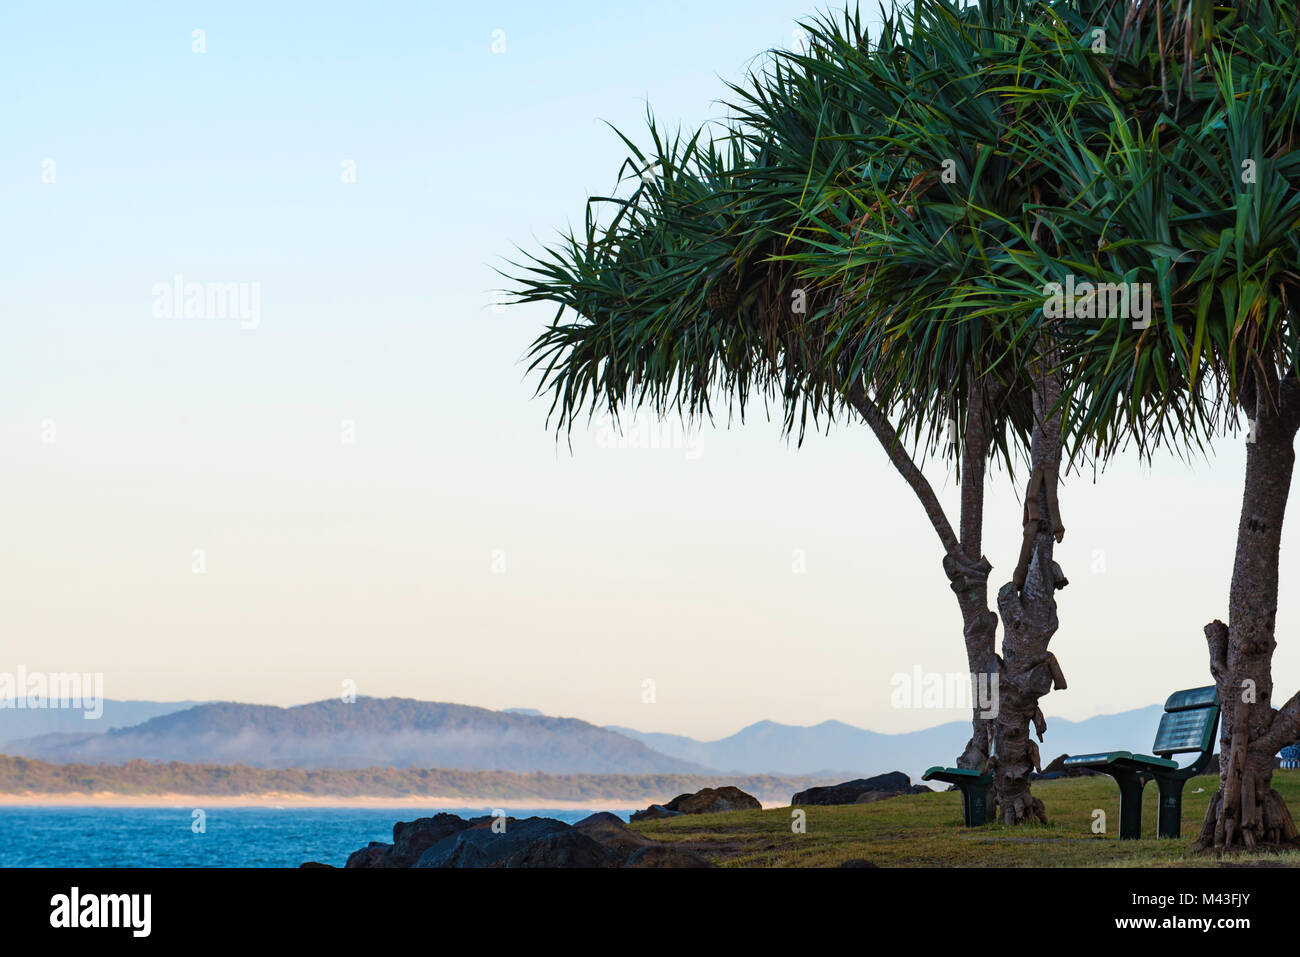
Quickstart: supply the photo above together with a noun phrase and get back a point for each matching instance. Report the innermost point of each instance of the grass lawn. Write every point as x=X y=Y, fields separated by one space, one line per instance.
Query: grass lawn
x=924 y=830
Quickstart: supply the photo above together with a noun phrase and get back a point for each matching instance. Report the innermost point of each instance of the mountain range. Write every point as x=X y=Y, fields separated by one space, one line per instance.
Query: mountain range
x=405 y=733
x=370 y=732
x=835 y=749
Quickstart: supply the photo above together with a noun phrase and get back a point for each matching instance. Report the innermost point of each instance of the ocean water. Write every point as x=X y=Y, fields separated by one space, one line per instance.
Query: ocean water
x=234 y=836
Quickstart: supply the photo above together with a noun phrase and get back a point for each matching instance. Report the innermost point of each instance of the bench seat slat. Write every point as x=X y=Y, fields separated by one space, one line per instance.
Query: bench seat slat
x=1115 y=757
x=940 y=773
x=1154 y=761
x=1086 y=760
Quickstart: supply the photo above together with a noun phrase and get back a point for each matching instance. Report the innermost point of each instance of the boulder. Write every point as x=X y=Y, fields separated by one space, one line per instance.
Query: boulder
x=600 y=817
x=372 y=855
x=704 y=801
x=857 y=862
x=665 y=855
x=871 y=797
x=481 y=846
x=567 y=848
x=1056 y=764
x=653 y=813
x=715 y=801
x=412 y=838
x=316 y=864
x=895 y=782
x=611 y=833
x=598 y=841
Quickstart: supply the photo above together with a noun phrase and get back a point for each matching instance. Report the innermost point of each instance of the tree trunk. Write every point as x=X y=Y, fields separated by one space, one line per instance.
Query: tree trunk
x=970 y=582
x=968 y=573
x=967 y=570
x=1246 y=812
x=1027 y=604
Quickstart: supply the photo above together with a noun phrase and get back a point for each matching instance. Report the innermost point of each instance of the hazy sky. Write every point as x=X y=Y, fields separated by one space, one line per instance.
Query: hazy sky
x=356 y=484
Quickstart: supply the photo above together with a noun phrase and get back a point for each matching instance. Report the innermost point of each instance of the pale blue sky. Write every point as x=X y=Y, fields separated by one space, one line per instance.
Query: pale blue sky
x=372 y=560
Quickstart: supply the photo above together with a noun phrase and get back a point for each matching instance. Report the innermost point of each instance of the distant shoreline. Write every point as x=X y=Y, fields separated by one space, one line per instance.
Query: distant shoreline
x=286 y=800
x=143 y=783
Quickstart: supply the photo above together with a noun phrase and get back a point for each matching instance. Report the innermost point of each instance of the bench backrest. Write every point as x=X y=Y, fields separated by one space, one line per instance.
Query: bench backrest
x=1188 y=723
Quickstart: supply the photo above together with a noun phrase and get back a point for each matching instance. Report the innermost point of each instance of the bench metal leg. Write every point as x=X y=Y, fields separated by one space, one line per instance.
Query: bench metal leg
x=1171 y=806
x=976 y=792
x=974 y=803
x=1130 y=803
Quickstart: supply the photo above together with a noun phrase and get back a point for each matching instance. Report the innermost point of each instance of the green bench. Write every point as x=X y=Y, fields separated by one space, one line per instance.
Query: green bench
x=974 y=788
x=1188 y=725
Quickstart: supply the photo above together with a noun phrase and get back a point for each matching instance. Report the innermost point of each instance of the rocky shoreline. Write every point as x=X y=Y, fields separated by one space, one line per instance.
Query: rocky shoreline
x=446 y=840
x=601 y=840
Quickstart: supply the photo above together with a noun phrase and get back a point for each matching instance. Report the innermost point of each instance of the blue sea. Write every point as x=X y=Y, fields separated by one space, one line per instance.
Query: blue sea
x=233 y=836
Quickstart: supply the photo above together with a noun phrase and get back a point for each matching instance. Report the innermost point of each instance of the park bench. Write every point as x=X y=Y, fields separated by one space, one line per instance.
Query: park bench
x=974 y=788
x=1187 y=726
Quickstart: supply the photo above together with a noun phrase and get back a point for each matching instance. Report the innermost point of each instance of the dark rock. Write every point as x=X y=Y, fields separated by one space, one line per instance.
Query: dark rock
x=715 y=801
x=857 y=862
x=317 y=864
x=895 y=782
x=448 y=841
x=664 y=855
x=704 y=801
x=871 y=797
x=611 y=833
x=600 y=817
x=567 y=848
x=481 y=846
x=654 y=812
x=413 y=838
x=1056 y=764
x=410 y=840
x=372 y=855
x=599 y=841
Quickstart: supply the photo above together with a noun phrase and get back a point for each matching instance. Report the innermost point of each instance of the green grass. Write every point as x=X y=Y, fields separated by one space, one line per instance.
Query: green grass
x=924 y=830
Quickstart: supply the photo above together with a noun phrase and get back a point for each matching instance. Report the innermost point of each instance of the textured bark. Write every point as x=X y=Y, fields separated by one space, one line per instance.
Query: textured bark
x=968 y=574
x=1027 y=604
x=1246 y=812
x=967 y=569
x=969 y=582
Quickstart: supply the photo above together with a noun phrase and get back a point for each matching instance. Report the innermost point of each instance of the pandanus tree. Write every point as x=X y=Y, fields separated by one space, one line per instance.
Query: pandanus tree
x=931 y=254
x=837 y=246
x=1178 y=168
